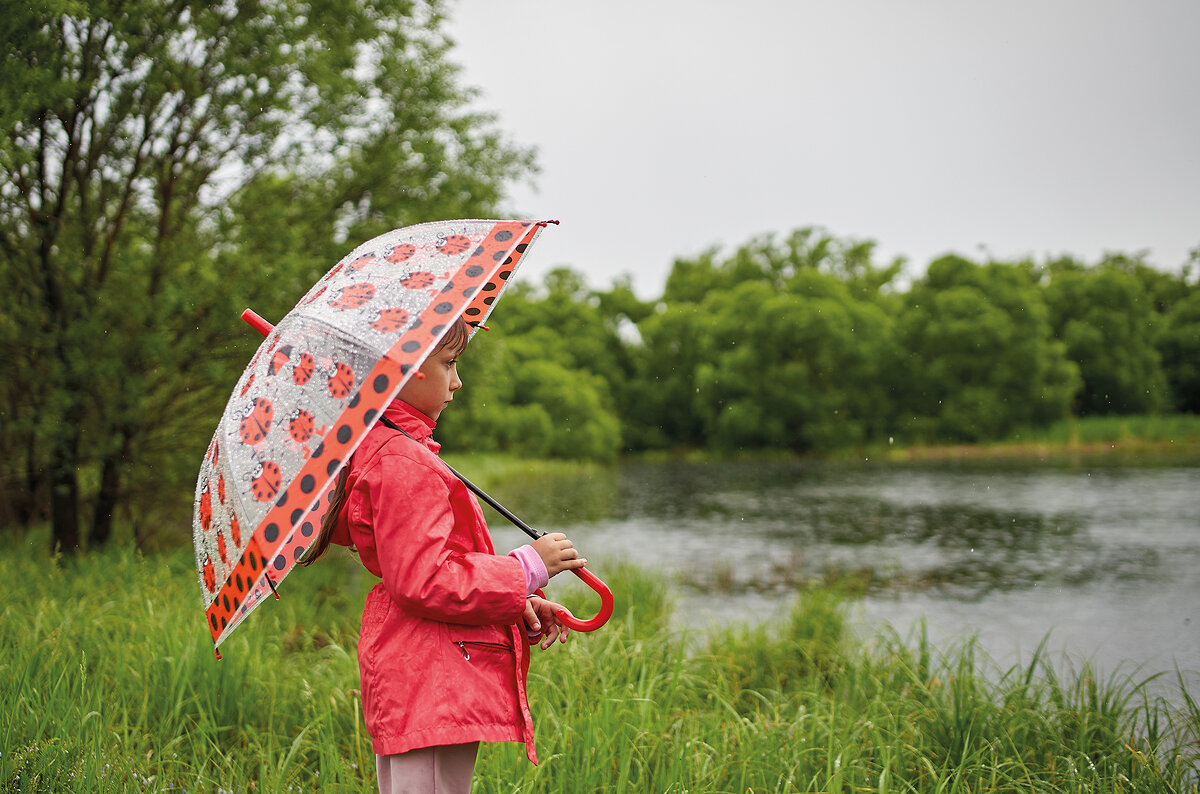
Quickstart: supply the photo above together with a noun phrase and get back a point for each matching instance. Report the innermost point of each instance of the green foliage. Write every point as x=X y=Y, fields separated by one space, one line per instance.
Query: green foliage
x=104 y=688
x=981 y=361
x=1108 y=323
x=162 y=167
x=798 y=370
x=1179 y=346
x=535 y=385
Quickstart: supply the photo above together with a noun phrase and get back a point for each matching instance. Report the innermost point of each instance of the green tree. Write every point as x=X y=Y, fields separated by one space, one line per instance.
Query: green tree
x=796 y=370
x=1179 y=346
x=160 y=163
x=981 y=359
x=1110 y=327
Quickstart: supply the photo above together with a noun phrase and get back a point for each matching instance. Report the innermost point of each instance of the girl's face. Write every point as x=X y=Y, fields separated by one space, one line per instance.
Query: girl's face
x=435 y=391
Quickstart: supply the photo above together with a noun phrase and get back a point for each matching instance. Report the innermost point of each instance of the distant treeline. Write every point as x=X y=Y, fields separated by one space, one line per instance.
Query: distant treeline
x=806 y=344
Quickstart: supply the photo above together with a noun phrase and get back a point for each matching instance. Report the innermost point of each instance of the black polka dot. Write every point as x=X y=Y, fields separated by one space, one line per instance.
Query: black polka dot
x=369 y=416
x=332 y=467
x=489 y=300
x=297 y=514
x=500 y=255
x=354 y=400
x=344 y=433
x=507 y=262
x=297 y=553
x=521 y=248
x=478 y=251
x=213 y=619
x=444 y=308
x=473 y=312
x=504 y=235
x=271 y=533
x=282 y=499
x=411 y=346
x=253 y=562
x=449 y=287
x=437 y=330
x=319 y=451
x=504 y=274
x=474 y=271
x=224 y=623
x=308 y=484
x=280 y=563
x=469 y=291
x=488 y=287
x=380 y=384
x=237 y=582
x=307 y=529
x=225 y=601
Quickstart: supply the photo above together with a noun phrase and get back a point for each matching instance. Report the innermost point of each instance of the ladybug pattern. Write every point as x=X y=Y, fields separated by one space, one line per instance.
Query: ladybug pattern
x=300 y=428
x=313 y=389
x=455 y=244
x=390 y=320
x=280 y=359
x=266 y=482
x=401 y=253
x=210 y=576
x=303 y=369
x=353 y=296
x=420 y=280
x=204 y=510
x=341 y=382
x=257 y=423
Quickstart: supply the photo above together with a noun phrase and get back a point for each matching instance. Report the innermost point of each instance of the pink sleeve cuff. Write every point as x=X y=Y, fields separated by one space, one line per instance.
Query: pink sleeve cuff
x=535 y=570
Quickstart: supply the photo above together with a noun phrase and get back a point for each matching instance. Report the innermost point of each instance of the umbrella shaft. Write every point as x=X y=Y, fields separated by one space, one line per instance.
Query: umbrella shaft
x=499 y=508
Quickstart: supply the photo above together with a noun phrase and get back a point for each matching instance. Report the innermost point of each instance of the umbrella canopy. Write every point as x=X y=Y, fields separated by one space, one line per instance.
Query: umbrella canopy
x=318 y=382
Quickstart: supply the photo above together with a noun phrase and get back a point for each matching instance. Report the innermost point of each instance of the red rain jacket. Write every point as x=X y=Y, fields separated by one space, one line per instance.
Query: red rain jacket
x=442 y=658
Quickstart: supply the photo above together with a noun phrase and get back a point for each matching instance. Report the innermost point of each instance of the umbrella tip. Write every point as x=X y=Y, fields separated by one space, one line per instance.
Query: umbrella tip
x=546 y=223
x=217 y=651
x=479 y=325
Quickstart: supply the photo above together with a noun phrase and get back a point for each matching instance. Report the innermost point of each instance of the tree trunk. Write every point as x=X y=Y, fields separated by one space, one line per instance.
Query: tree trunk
x=109 y=496
x=64 y=497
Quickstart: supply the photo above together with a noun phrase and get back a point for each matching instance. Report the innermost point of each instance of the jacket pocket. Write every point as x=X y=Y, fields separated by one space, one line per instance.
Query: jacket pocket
x=467 y=647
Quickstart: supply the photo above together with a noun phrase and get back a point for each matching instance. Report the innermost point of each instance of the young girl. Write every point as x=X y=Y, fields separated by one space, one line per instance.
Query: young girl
x=444 y=649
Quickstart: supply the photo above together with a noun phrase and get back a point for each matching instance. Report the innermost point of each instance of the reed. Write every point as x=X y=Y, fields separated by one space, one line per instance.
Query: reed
x=108 y=683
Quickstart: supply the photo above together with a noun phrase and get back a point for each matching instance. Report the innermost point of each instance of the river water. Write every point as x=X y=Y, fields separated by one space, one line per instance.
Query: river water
x=1102 y=561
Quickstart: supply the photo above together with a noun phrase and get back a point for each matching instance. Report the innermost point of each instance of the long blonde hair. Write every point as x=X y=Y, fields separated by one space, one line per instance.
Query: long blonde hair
x=457 y=336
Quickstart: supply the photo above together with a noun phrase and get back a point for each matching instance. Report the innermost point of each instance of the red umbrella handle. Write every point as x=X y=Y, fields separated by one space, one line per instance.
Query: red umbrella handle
x=606 y=604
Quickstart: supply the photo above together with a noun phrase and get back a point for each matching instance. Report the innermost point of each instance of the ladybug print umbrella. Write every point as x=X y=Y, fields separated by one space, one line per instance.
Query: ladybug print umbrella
x=318 y=382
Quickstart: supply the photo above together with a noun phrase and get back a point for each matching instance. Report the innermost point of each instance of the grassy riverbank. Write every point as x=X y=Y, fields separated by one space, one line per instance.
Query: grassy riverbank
x=108 y=683
x=1135 y=439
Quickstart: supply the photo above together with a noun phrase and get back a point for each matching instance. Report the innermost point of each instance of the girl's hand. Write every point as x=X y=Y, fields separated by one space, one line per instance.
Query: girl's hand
x=541 y=615
x=557 y=553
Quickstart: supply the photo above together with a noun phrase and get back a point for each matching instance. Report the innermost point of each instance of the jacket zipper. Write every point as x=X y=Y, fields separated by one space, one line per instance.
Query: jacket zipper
x=462 y=646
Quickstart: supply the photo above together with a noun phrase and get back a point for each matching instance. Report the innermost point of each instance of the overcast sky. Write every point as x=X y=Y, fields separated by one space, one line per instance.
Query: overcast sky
x=1004 y=129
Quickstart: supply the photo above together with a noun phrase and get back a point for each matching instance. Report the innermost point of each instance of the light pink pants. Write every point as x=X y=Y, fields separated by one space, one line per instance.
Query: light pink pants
x=430 y=770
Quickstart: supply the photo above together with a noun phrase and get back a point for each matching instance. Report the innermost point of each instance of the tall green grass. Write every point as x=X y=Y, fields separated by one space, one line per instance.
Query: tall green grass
x=108 y=683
